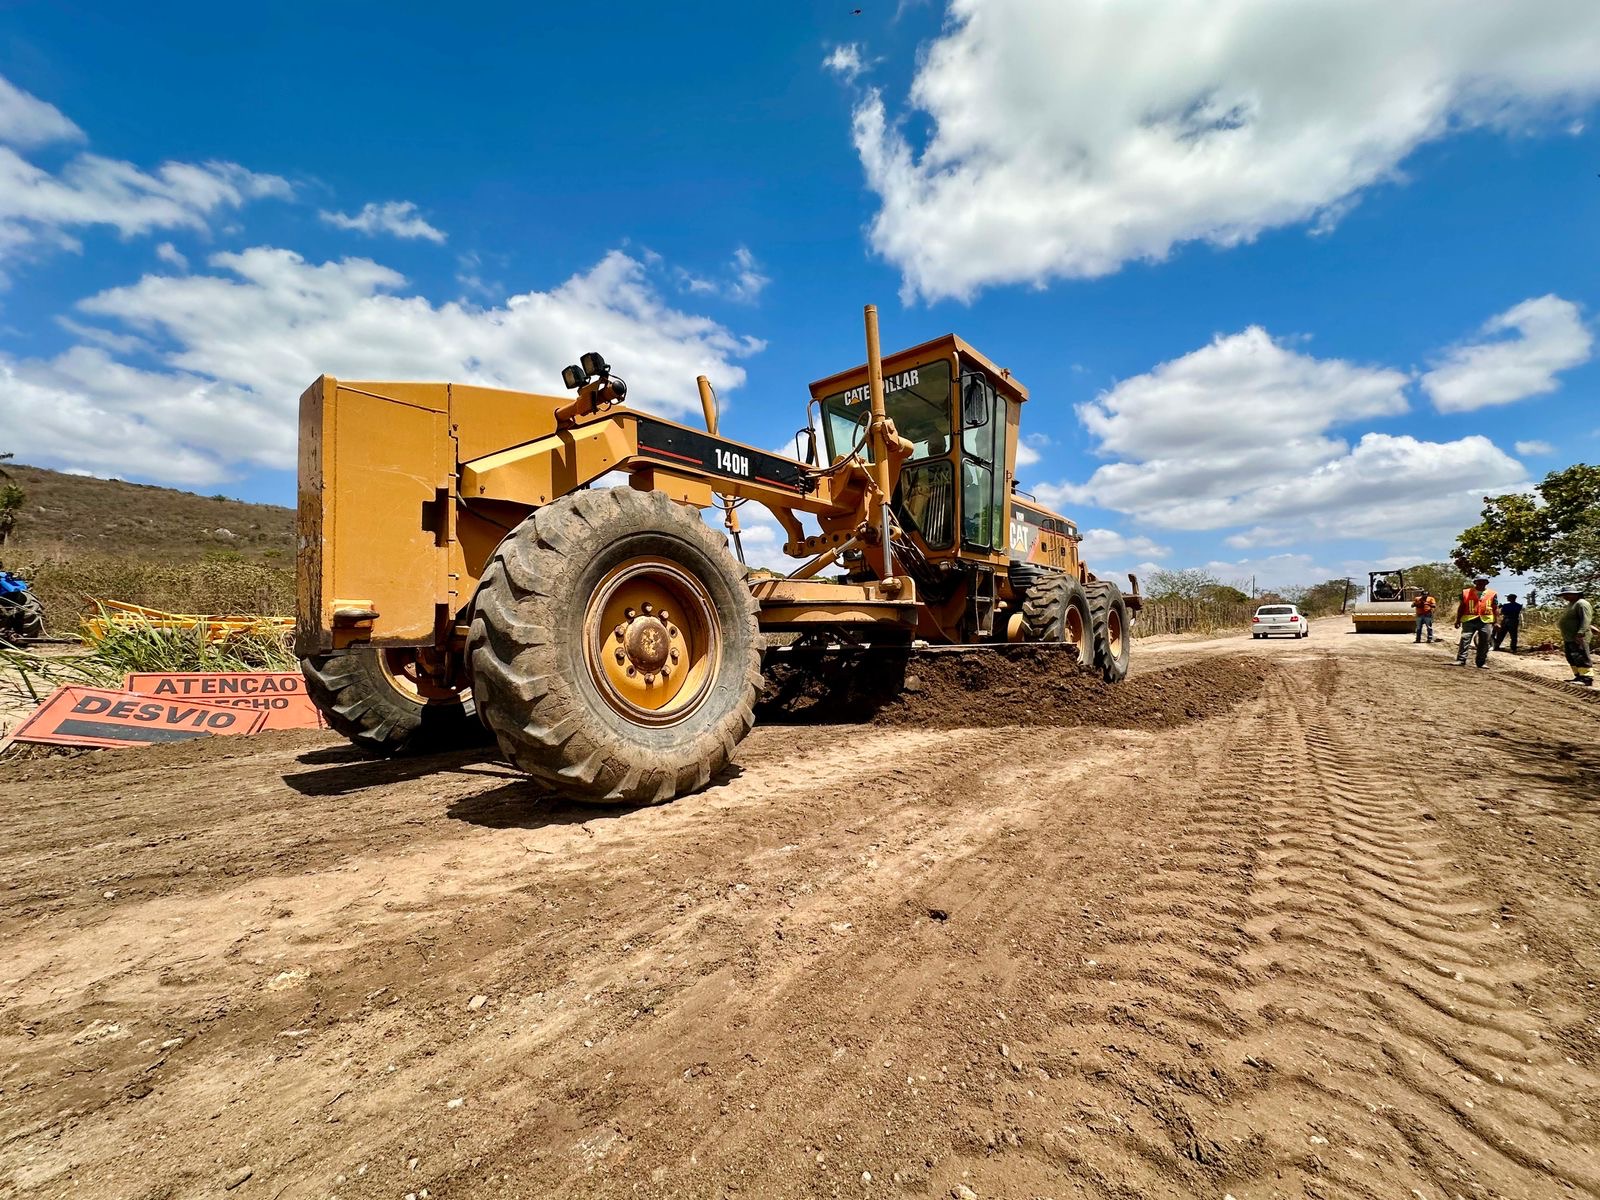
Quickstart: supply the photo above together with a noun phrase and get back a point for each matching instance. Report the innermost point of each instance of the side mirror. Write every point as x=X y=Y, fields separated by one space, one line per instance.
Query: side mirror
x=975 y=402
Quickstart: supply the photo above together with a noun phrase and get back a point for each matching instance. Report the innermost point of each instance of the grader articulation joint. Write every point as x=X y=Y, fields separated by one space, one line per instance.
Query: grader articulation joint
x=460 y=580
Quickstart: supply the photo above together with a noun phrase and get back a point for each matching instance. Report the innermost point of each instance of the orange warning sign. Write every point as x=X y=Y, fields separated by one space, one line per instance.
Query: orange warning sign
x=78 y=716
x=279 y=694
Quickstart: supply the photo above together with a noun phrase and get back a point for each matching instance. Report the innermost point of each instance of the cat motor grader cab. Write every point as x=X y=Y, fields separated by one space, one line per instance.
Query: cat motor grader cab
x=460 y=578
x=1388 y=606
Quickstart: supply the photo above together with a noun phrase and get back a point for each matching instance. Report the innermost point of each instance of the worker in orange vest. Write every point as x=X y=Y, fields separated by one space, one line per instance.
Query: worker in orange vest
x=1475 y=617
x=1425 y=604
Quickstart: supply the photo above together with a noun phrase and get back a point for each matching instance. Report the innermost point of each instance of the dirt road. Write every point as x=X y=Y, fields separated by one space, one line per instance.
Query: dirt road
x=1331 y=932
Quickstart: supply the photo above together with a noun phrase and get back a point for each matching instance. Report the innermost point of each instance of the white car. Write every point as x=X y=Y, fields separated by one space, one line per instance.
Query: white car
x=1279 y=618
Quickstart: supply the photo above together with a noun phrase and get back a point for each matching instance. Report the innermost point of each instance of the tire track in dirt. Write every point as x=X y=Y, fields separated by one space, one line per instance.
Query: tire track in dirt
x=1372 y=943
x=1138 y=1060
x=1306 y=990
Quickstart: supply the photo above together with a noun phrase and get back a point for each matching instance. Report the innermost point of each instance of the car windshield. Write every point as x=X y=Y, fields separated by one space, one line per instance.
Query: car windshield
x=1275 y=610
x=916 y=399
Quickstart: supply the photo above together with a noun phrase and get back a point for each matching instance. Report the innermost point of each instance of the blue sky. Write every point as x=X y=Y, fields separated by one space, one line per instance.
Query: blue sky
x=1292 y=285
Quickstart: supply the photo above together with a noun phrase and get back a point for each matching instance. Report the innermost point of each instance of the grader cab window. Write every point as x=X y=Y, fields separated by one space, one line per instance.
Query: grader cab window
x=916 y=399
x=983 y=462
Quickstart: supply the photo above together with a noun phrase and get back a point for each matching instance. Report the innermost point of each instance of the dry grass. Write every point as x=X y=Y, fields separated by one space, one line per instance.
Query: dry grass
x=131 y=644
x=1191 y=616
x=78 y=515
x=69 y=586
x=1539 y=625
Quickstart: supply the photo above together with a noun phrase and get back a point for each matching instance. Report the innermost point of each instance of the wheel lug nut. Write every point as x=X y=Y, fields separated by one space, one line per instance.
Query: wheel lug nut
x=674 y=655
x=649 y=679
x=621 y=657
x=628 y=612
x=662 y=614
x=618 y=631
x=648 y=608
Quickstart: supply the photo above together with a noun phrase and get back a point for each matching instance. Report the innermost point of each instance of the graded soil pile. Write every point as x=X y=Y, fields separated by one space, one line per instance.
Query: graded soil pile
x=956 y=691
x=1013 y=685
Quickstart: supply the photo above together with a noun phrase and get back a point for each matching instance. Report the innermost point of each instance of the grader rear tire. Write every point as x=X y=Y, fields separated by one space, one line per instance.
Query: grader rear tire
x=385 y=705
x=1112 y=636
x=614 y=649
x=1055 y=609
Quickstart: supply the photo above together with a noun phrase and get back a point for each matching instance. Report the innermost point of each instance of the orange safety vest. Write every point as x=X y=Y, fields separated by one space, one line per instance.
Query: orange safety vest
x=1424 y=605
x=1476 y=607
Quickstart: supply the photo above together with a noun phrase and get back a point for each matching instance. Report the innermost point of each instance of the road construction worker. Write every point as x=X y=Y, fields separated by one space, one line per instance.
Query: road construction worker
x=1425 y=604
x=1575 y=624
x=1510 y=623
x=1475 y=617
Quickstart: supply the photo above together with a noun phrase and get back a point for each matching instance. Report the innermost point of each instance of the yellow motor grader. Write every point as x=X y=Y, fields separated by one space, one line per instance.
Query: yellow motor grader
x=460 y=577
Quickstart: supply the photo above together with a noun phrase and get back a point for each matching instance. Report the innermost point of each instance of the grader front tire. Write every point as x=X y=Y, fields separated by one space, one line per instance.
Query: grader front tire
x=614 y=648
x=383 y=703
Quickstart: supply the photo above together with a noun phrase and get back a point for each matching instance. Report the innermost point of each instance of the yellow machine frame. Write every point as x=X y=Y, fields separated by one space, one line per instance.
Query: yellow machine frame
x=406 y=489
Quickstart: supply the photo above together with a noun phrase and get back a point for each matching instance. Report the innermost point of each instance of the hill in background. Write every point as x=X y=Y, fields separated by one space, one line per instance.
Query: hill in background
x=75 y=514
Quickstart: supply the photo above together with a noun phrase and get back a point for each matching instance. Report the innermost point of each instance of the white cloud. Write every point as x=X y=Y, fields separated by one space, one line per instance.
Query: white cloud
x=1099 y=545
x=748 y=281
x=1067 y=137
x=1218 y=399
x=118 y=343
x=172 y=256
x=1027 y=456
x=241 y=344
x=26 y=120
x=44 y=208
x=398 y=218
x=1528 y=449
x=87 y=412
x=1548 y=336
x=845 y=60
x=1258 y=536
x=1244 y=408
x=743 y=281
x=1271 y=573
x=38 y=205
x=1240 y=433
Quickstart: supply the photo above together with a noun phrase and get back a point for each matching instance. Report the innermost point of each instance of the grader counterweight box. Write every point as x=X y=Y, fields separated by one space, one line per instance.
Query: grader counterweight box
x=461 y=579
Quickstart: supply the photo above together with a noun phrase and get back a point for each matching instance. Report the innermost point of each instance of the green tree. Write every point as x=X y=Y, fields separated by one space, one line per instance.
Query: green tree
x=1222 y=593
x=1442 y=579
x=1553 y=536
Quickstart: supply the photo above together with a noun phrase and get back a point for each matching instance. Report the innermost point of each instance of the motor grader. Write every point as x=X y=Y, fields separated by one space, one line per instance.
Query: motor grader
x=461 y=577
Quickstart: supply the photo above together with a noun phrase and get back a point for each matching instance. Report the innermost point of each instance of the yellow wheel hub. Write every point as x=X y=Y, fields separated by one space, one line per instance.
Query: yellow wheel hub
x=1072 y=629
x=1114 y=633
x=651 y=639
x=410 y=672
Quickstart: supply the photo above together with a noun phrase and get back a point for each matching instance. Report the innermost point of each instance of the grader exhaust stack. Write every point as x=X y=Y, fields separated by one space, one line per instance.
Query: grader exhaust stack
x=460 y=579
